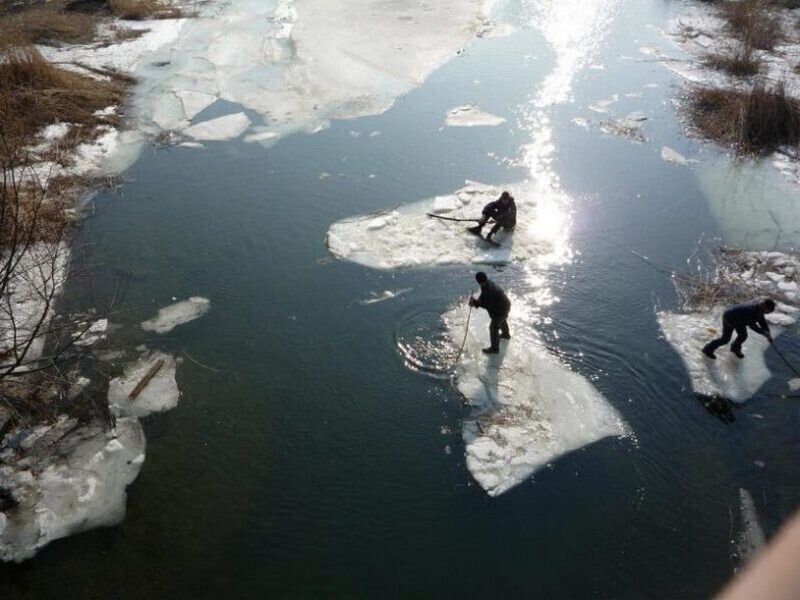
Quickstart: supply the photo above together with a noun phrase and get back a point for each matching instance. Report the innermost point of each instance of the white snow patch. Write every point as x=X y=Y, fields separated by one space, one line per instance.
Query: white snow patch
x=222 y=128
x=171 y=316
x=529 y=409
x=159 y=395
x=470 y=115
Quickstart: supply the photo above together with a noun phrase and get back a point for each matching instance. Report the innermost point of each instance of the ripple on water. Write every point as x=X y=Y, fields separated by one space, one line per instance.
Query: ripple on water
x=425 y=344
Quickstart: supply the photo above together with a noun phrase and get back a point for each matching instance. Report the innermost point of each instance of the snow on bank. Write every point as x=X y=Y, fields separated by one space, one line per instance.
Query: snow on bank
x=160 y=395
x=65 y=480
x=470 y=115
x=301 y=64
x=407 y=237
x=169 y=317
x=767 y=274
x=528 y=408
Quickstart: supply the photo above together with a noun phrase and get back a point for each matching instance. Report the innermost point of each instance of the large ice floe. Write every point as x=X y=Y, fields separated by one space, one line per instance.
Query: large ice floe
x=529 y=409
x=408 y=237
x=303 y=63
x=66 y=478
x=755 y=275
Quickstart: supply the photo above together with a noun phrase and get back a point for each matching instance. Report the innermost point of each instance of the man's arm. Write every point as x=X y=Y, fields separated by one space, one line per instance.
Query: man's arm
x=760 y=326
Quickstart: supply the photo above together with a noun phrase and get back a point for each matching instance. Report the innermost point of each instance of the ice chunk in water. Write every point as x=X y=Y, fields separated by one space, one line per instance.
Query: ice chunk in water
x=750 y=537
x=194 y=102
x=222 y=128
x=408 y=237
x=727 y=376
x=673 y=156
x=470 y=115
x=529 y=409
x=171 y=316
x=159 y=395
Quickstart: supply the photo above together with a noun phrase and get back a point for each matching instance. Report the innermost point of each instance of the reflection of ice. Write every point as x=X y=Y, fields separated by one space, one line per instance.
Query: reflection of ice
x=727 y=376
x=752 y=203
x=750 y=537
x=408 y=237
x=529 y=409
x=302 y=63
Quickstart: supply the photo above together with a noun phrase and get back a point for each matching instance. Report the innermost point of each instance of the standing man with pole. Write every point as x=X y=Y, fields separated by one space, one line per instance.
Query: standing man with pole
x=497 y=304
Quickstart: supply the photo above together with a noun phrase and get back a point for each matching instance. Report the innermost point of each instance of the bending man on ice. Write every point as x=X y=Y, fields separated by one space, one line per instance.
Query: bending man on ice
x=497 y=304
x=739 y=318
x=503 y=211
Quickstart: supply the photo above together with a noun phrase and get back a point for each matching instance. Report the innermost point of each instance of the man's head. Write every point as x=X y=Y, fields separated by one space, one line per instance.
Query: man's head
x=505 y=197
x=481 y=277
x=767 y=306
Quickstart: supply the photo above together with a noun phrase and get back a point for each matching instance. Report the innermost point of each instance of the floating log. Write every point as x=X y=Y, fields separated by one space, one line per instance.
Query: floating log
x=146 y=379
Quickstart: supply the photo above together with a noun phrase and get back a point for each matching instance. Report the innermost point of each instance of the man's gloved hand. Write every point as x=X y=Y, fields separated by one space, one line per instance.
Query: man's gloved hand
x=472 y=301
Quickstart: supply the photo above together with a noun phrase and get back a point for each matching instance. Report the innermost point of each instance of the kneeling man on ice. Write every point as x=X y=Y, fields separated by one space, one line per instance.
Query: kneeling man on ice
x=739 y=318
x=503 y=211
x=497 y=304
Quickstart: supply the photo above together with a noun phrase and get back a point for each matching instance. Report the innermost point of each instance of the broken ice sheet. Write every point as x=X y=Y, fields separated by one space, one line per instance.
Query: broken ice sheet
x=176 y=314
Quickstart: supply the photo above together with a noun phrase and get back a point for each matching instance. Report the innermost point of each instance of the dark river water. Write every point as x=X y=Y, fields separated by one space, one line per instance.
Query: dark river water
x=312 y=462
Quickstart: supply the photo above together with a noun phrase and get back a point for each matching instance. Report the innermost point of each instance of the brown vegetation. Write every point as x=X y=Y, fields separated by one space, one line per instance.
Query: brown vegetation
x=34 y=94
x=48 y=25
x=754 y=22
x=740 y=62
x=760 y=119
x=138 y=10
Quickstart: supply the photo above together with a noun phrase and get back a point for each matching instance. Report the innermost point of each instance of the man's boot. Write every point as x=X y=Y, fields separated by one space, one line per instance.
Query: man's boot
x=491 y=350
x=709 y=352
x=476 y=230
x=737 y=352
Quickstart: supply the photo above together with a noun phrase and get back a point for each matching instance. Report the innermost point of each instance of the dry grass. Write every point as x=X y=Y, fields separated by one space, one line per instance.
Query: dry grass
x=34 y=94
x=138 y=10
x=755 y=121
x=753 y=22
x=48 y=25
x=741 y=62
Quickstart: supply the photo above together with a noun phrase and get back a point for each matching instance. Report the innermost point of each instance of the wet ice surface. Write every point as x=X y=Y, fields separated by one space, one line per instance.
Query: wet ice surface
x=171 y=316
x=66 y=480
x=161 y=393
x=470 y=115
x=767 y=274
x=221 y=128
x=528 y=408
x=407 y=237
x=727 y=376
x=300 y=64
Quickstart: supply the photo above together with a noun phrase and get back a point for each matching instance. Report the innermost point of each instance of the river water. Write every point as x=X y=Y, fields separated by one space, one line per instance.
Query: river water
x=311 y=460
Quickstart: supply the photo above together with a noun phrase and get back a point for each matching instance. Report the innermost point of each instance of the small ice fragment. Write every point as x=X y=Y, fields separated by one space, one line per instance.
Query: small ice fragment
x=469 y=115
x=176 y=314
x=794 y=384
x=673 y=156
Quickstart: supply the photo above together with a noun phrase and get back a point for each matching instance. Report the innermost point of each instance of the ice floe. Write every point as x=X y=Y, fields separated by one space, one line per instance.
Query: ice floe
x=66 y=478
x=528 y=409
x=470 y=115
x=756 y=275
x=171 y=316
x=159 y=395
x=301 y=64
x=750 y=536
x=222 y=128
x=407 y=237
